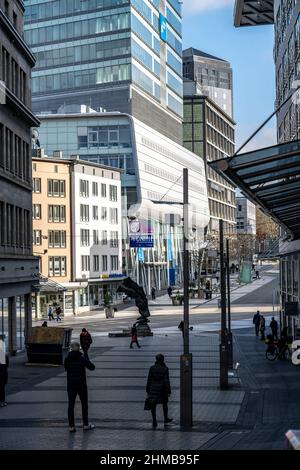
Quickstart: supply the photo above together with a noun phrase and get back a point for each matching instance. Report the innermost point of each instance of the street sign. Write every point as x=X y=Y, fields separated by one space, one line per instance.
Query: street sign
x=141 y=234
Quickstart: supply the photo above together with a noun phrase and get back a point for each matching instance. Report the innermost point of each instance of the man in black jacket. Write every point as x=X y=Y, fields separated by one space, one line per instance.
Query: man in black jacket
x=158 y=388
x=85 y=341
x=75 y=365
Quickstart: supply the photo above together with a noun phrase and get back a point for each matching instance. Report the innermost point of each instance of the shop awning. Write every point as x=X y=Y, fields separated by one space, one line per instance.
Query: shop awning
x=253 y=12
x=49 y=286
x=270 y=178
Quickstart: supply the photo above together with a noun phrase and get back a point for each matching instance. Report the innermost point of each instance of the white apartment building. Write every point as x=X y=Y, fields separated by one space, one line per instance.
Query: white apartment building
x=96 y=231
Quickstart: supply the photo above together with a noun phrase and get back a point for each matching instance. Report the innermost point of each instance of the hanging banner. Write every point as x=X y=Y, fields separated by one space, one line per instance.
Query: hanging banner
x=246 y=273
x=170 y=248
x=141 y=255
x=141 y=234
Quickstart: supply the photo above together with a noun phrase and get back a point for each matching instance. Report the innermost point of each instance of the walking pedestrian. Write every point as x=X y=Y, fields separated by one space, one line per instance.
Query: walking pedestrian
x=158 y=388
x=50 y=313
x=256 y=322
x=85 y=341
x=58 y=313
x=274 y=328
x=257 y=273
x=3 y=373
x=181 y=328
x=153 y=293
x=75 y=366
x=170 y=290
x=134 y=337
x=262 y=327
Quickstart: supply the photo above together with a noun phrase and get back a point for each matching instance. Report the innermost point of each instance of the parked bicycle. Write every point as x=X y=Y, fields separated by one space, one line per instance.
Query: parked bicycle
x=277 y=349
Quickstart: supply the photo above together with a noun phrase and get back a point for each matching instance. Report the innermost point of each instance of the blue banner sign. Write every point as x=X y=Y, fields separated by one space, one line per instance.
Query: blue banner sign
x=163 y=27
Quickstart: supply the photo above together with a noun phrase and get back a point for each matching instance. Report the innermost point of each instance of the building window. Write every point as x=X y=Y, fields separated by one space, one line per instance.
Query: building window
x=95 y=212
x=114 y=263
x=103 y=190
x=56 y=213
x=85 y=263
x=114 y=239
x=37 y=211
x=113 y=193
x=56 y=188
x=57 y=266
x=96 y=263
x=95 y=237
x=84 y=237
x=57 y=239
x=37 y=185
x=113 y=215
x=104 y=262
x=37 y=237
x=103 y=213
x=239 y=208
x=84 y=188
x=84 y=213
x=95 y=188
x=104 y=237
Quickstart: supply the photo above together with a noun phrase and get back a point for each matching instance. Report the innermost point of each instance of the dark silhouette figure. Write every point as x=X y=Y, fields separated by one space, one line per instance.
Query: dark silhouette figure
x=136 y=292
x=158 y=388
x=153 y=293
x=170 y=290
x=85 y=341
x=45 y=323
x=181 y=328
x=274 y=328
x=75 y=366
x=256 y=322
x=134 y=337
x=58 y=313
x=262 y=327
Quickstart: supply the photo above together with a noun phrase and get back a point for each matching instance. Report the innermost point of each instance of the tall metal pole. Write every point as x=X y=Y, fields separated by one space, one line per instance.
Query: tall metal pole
x=186 y=394
x=223 y=345
x=230 y=345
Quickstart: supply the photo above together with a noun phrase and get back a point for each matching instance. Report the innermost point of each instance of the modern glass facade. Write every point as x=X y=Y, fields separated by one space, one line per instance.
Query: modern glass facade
x=287 y=62
x=214 y=75
x=209 y=133
x=86 y=49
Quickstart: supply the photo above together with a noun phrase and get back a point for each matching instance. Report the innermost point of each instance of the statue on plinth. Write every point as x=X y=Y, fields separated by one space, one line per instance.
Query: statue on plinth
x=136 y=292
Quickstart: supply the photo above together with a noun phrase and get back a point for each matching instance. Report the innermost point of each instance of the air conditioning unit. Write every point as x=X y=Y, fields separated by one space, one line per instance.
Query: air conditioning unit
x=57 y=154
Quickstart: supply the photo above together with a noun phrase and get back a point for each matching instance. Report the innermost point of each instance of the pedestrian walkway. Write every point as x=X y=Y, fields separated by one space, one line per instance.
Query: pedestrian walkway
x=117 y=394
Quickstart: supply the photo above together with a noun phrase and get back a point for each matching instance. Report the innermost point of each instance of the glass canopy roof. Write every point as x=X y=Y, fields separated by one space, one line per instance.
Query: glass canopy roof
x=269 y=177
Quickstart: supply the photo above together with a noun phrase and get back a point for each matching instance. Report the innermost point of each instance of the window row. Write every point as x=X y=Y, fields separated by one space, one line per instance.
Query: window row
x=86 y=263
x=57 y=266
x=222 y=211
x=15 y=227
x=14 y=154
x=13 y=75
x=78 y=54
x=85 y=239
x=220 y=124
x=125 y=161
x=56 y=188
x=104 y=137
x=77 y=28
x=67 y=7
x=84 y=190
x=85 y=214
x=81 y=78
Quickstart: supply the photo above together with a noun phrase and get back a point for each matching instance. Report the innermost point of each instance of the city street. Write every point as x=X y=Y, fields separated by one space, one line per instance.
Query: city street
x=252 y=414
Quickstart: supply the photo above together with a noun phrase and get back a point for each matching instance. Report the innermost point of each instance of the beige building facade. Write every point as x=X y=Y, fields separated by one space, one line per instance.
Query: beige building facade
x=77 y=235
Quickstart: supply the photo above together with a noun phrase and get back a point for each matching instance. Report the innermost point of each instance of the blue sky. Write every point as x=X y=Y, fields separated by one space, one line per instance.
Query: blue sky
x=208 y=25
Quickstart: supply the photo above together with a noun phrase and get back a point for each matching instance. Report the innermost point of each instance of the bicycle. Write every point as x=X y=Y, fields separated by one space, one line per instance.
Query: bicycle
x=273 y=352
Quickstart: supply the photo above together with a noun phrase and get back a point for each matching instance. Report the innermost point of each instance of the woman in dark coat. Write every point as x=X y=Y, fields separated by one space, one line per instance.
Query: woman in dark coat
x=158 y=388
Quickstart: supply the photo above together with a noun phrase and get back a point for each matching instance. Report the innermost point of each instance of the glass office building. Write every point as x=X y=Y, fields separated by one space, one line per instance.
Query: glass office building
x=113 y=55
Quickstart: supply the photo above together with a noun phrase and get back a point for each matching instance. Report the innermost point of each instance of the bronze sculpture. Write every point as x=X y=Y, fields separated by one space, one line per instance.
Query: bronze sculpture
x=136 y=292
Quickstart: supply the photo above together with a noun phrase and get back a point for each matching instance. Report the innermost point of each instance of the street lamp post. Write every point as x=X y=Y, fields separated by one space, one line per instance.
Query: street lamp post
x=186 y=388
x=230 y=345
x=224 y=339
x=186 y=364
